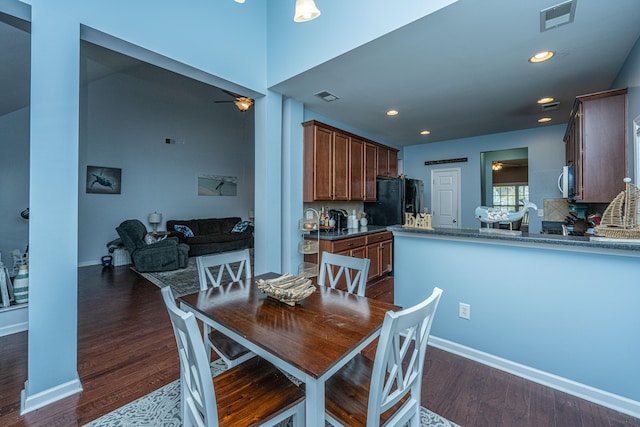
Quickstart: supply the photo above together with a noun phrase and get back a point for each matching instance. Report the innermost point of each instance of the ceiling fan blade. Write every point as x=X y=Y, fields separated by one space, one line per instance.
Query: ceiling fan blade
x=235 y=95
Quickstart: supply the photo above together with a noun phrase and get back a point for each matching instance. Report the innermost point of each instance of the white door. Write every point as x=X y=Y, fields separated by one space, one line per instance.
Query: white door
x=445 y=198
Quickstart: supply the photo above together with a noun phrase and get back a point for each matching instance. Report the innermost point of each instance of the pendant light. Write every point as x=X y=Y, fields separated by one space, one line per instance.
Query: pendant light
x=306 y=10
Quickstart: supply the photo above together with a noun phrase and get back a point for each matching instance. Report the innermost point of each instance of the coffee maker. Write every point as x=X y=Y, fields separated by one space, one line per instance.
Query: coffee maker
x=340 y=216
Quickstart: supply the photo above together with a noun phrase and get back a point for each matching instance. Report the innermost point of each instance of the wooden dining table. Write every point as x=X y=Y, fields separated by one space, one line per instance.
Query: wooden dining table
x=311 y=340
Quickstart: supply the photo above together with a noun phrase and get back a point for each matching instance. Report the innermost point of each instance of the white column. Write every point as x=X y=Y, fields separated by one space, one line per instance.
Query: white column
x=53 y=221
x=268 y=184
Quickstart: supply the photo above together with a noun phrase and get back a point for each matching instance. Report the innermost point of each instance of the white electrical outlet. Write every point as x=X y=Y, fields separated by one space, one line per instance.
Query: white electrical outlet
x=464 y=311
x=309 y=215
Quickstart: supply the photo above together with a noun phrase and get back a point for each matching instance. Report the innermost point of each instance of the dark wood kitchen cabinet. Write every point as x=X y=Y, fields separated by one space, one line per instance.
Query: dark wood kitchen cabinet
x=340 y=166
x=326 y=164
x=387 y=162
x=596 y=145
x=370 y=171
x=380 y=253
x=356 y=171
x=378 y=247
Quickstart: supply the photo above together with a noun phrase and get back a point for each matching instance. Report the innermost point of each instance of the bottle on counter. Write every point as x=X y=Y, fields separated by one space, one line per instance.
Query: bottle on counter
x=352 y=222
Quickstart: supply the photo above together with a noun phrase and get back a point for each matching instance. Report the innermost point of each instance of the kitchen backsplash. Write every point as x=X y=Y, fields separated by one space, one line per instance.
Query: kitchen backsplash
x=347 y=206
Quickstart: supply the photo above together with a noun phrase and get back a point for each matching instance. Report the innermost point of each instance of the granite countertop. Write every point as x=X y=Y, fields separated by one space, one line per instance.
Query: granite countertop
x=569 y=242
x=351 y=232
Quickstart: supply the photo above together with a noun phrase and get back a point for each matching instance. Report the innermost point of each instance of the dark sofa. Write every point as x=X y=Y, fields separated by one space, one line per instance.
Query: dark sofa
x=212 y=235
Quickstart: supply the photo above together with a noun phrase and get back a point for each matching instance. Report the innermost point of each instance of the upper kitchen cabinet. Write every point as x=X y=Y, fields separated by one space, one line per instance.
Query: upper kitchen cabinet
x=370 y=171
x=387 y=162
x=340 y=166
x=596 y=145
x=326 y=164
x=357 y=165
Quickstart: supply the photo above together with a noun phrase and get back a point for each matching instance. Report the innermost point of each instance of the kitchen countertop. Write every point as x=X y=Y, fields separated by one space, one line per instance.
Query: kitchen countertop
x=554 y=241
x=351 y=232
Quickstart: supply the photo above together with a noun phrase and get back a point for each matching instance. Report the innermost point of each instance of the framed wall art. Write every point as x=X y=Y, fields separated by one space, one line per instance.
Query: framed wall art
x=103 y=180
x=216 y=185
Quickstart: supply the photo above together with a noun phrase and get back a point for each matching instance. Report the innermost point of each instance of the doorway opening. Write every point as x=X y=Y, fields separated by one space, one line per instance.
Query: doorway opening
x=504 y=176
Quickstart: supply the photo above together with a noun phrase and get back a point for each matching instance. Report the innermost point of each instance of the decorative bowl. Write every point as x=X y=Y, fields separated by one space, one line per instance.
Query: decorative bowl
x=287 y=288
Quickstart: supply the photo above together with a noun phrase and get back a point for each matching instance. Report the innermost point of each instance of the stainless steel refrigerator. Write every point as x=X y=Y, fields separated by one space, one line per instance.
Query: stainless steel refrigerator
x=395 y=197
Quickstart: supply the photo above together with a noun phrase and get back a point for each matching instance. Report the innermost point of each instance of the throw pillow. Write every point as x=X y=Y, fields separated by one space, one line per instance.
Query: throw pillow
x=240 y=227
x=184 y=230
x=149 y=239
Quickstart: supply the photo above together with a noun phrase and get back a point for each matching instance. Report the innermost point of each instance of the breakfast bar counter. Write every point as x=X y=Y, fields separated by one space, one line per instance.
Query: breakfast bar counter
x=559 y=310
x=549 y=241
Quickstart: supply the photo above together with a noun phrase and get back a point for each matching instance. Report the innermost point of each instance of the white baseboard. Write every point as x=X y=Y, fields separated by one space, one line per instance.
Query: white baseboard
x=89 y=263
x=592 y=394
x=14 y=329
x=14 y=319
x=46 y=397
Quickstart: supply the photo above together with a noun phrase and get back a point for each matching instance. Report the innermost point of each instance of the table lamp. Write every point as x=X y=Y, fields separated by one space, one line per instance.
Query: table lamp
x=155 y=219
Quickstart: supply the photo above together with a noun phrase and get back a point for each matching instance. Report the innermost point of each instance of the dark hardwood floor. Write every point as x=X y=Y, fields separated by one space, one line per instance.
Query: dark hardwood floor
x=126 y=349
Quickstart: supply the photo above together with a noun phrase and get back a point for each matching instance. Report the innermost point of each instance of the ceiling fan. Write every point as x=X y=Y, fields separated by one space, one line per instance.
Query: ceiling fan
x=242 y=102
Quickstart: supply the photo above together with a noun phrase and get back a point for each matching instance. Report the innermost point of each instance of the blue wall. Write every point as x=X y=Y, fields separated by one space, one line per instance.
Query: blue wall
x=546 y=158
x=567 y=313
x=124 y=120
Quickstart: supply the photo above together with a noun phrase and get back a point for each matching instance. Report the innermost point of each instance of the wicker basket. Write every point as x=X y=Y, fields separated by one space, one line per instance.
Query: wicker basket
x=121 y=257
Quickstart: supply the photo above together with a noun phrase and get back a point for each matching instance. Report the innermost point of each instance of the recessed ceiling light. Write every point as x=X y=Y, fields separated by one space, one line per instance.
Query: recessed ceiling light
x=425 y=132
x=392 y=113
x=542 y=56
x=544 y=120
x=546 y=100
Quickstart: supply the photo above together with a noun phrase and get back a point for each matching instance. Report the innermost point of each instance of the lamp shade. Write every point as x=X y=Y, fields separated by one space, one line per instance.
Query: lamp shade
x=155 y=218
x=306 y=10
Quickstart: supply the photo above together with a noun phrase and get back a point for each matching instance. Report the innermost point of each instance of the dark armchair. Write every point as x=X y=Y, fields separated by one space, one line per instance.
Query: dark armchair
x=167 y=254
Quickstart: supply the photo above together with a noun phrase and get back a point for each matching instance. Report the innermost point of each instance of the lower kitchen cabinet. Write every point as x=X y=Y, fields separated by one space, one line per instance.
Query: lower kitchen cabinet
x=378 y=247
x=380 y=252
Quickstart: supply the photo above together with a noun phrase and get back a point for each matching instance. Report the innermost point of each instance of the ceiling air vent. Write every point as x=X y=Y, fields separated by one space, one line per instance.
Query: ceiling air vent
x=550 y=106
x=555 y=16
x=326 y=95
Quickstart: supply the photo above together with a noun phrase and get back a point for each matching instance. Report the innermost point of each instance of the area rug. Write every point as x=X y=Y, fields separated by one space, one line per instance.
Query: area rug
x=162 y=408
x=185 y=281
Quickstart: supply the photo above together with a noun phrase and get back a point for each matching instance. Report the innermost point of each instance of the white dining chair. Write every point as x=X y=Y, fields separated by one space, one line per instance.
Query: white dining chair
x=252 y=393
x=386 y=391
x=353 y=271
x=236 y=264
x=211 y=271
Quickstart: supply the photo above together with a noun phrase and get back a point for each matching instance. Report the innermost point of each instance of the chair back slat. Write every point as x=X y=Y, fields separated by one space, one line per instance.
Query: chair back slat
x=335 y=268
x=199 y=400
x=399 y=360
x=234 y=263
